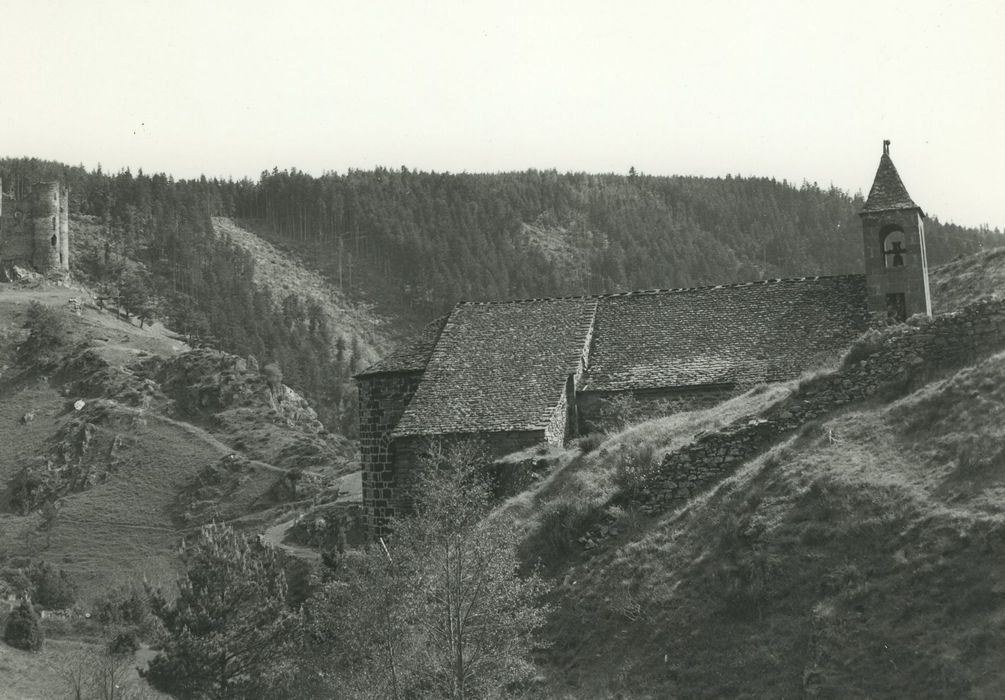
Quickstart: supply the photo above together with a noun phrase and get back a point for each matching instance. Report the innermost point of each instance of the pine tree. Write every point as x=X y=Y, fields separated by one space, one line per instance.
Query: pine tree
x=23 y=630
x=229 y=623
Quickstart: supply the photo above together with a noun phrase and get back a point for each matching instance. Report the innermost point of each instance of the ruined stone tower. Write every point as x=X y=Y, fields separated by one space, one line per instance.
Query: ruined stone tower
x=893 y=233
x=35 y=230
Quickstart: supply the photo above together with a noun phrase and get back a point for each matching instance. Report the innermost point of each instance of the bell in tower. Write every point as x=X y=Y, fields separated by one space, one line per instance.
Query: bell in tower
x=893 y=233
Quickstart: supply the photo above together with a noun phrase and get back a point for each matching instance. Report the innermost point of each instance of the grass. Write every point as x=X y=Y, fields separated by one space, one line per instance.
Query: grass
x=862 y=558
x=968 y=279
x=577 y=494
x=125 y=527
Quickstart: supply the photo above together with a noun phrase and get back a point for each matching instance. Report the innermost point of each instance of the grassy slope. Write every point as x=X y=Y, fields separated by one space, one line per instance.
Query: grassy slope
x=863 y=558
x=124 y=528
x=968 y=279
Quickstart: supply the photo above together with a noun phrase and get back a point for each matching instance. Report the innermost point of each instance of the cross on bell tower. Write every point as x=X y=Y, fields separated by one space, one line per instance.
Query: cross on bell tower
x=893 y=234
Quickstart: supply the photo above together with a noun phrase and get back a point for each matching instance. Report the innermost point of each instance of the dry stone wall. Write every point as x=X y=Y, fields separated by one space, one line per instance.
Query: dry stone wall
x=887 y=360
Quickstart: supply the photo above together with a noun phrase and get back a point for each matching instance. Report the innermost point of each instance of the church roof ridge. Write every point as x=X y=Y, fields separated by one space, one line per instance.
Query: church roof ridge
x=658 y=290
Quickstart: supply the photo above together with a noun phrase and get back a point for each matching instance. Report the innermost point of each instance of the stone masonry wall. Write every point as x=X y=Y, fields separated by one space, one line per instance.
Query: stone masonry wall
x=595 y=407
x=879 y=361
x=409 y=451
x=556 y=430
x=382 y=400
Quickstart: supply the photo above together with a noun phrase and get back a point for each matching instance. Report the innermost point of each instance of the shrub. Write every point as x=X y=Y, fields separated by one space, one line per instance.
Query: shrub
x=125 y=643
x=590 y=442
x=53 y=588
x=23 y=630
x=636 y=465
x=15 y=581
x=561 y=526
x=127 y=607
x=867 y=344
x=273 y=377
x=47 y=332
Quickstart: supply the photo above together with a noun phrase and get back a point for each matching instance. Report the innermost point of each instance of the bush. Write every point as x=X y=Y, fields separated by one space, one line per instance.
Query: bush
x=53 y=588
x=15 y=581
x=867 y=345
x=635 y=467
x=590 y=442
x=128 y=607
x=125 y=643
x=47 y=332
x=23 y=630
x=561 y=526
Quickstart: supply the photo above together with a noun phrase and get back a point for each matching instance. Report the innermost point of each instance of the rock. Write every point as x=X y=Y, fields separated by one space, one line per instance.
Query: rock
x=79 y=404
x=27 y=417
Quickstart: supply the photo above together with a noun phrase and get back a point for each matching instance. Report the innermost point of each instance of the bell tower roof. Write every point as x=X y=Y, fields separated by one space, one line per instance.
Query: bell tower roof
x=888 y=191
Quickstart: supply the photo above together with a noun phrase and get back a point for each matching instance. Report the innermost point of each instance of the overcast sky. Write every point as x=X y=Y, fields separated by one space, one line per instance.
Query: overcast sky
x=782 y=89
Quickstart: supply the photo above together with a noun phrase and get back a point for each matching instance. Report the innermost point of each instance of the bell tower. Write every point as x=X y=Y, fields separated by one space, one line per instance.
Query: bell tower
x=893 y=233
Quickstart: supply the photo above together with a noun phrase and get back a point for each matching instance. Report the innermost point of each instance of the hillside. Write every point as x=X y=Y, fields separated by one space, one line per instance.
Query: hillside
x=860 y=553
x=285 y=277
x=136 y=439
x=417 y=242
x=967 y=279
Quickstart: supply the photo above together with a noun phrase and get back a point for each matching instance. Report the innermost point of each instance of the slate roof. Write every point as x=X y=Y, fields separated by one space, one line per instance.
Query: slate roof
x=500 y=366
x=411 y=356
x=742 y=333
x=888 y=191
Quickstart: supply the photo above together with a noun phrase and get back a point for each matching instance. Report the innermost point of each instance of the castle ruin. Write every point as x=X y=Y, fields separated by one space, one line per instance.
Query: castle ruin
x=35 y=230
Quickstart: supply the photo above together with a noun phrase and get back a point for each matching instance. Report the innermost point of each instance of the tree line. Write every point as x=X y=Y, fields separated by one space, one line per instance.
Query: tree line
x=421 y=240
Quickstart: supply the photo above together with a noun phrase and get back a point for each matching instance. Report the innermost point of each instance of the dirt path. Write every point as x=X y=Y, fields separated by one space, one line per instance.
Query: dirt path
x=277 y=533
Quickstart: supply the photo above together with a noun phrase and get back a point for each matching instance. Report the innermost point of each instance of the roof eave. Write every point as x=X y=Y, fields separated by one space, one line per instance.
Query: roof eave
x=878 y=210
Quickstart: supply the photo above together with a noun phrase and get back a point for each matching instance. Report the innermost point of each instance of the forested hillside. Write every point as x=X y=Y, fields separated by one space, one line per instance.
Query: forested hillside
x=423 y=240
x=415 y=242
x=148 y=244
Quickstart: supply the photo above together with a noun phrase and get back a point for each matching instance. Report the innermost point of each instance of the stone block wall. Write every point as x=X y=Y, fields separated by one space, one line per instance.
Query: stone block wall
x=911 y=279
x=557 y=428
x=595 y=407
x=382 y=400
x=395 y=490
x=879 y=360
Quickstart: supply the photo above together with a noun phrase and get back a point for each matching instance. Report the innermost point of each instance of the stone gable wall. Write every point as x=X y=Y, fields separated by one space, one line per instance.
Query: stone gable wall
x=879 y=361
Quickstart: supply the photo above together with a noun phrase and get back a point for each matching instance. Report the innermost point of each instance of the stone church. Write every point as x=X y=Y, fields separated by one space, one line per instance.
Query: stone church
x=515 y=374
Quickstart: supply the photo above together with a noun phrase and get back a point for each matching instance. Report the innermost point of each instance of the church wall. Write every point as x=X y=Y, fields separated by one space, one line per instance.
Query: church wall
x=382 y=400
x=408 y=452
x=597 y=409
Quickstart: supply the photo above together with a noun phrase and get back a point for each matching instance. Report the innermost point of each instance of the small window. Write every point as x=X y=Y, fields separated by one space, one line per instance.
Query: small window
x=894 y=249
x=53 y=241
x=54 y=223
x=896 y=307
